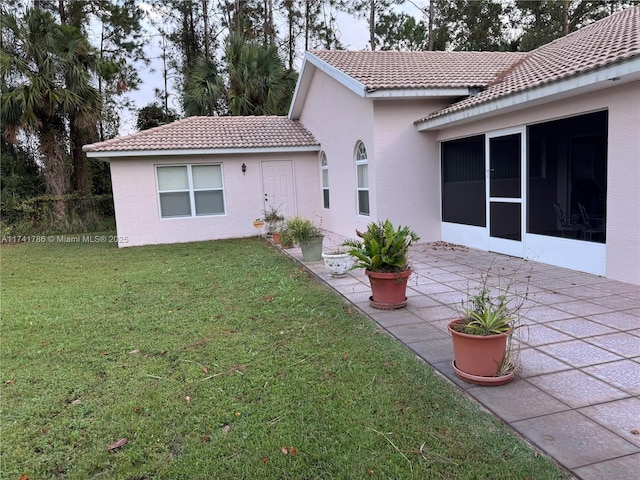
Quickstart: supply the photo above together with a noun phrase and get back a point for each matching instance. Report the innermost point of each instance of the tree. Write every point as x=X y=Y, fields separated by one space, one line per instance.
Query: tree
x=204 y=90
x=471 y=25
x=153 y=115
x=544 y=21
x=370 y=9
x=44 y=81
x=258 y=82
x=401 y=32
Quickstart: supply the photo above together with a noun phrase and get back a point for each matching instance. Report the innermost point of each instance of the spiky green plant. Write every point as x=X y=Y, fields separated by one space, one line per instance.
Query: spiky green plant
x=383 y=247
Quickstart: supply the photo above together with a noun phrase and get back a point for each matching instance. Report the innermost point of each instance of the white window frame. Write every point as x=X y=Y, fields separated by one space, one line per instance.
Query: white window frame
x=362 y=160
x=324 y=175
x=191 y=190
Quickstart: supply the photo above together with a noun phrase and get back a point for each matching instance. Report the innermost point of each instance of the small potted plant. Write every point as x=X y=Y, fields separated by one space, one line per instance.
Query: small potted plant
x=337 y=261
x=383 y=251
x=482 y=336
x=308 y=235
x=274 y=220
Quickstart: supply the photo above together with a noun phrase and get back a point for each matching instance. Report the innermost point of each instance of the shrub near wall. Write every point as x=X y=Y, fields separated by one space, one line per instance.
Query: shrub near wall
x=36 y=215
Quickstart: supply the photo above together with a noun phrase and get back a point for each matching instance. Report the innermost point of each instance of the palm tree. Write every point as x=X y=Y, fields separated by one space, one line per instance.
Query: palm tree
x=45 y=85
x=204 y=91
x=259 y=84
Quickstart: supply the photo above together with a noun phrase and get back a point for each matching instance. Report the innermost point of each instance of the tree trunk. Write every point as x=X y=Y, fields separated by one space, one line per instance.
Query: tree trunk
x=205 y=20
x=430 y=45
x=372 y=25
x=55 y=172
x=82 y=182
x=565 y=17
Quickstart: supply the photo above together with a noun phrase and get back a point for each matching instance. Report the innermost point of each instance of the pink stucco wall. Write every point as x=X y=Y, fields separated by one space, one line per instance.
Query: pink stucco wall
x=403 y=163
x=623 y=197
x=338 y=118
x=136 y=198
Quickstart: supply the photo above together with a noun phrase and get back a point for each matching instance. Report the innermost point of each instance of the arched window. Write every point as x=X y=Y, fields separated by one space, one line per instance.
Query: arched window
x=362 y=172
x=324 y=171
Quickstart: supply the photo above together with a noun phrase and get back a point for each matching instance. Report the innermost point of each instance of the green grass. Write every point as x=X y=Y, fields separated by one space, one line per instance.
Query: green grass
x=101 y=343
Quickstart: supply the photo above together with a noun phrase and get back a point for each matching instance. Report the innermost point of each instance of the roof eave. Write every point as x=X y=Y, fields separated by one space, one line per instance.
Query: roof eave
x=414 y=93
x=108 y=155
x=595 y=80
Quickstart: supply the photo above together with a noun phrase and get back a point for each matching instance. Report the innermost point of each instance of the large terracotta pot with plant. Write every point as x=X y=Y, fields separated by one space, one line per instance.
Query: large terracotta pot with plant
x=482 y=338
x=383 y=252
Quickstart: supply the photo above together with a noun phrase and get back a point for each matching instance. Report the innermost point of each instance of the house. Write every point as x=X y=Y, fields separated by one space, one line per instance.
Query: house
x=535 y=155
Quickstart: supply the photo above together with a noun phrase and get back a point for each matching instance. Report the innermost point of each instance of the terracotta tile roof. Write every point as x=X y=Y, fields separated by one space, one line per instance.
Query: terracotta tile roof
x=611 y=40
x=196 y=133
x=408 y=70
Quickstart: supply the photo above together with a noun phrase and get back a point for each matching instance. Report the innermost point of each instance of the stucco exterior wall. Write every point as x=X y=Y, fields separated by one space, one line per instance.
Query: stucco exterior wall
x=404 y=172
x=407 y=188
x=623 y=180
x=338 y=118
x=137 y=208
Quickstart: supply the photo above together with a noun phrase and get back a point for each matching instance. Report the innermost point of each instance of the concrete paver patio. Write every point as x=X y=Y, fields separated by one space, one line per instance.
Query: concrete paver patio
x=577 y=395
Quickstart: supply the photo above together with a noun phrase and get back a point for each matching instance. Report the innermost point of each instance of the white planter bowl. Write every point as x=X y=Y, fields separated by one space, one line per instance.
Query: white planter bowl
x=337 y=263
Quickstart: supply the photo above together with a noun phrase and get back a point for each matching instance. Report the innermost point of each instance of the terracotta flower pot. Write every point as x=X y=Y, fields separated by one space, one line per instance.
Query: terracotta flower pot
x=389 y=290
x=276 y=237
x=478 y=355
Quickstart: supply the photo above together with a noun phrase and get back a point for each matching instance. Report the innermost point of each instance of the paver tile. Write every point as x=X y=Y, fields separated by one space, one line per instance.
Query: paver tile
x=621 y=468
x=390 y=318
x=573 y=439
x=624 y=374
x=576 y=388
x=538 y=334
x=435 y=350
x=416 y=332
x=517 y=401
x=544 y=313
x=623 y=344
x=533 y=362
x=578 y=353
x=581 y=308
x=580 y=328
x=620 y=320
x=620 y=416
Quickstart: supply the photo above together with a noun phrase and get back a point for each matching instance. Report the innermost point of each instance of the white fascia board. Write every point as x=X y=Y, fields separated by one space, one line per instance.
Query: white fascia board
x=211 y=151
x=413 y=93
x=594 y=80
x=302 y=87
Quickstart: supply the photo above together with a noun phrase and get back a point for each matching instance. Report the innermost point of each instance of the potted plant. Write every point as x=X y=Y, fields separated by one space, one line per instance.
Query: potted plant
x=274 y=220
x=286 y=239
x=383 y=252
x=482 y=346
x=308 y=235
x=337 y=261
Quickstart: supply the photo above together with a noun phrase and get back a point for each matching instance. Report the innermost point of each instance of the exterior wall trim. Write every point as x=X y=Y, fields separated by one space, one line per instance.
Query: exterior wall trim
x=212 y=151
x=591 y=81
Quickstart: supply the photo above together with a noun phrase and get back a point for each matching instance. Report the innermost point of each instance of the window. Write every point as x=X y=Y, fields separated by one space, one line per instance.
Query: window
x=567 y=184
x=324 y=170
x=463 y=181
x=190 y=190
x=362 y=172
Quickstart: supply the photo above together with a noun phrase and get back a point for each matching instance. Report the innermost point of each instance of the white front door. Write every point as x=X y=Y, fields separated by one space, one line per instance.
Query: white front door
x=505 y=153
x=277 y=185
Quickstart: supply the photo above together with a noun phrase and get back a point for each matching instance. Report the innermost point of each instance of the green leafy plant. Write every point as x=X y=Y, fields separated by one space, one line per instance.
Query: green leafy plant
x=301 y=229
x=273 y=218
x=491 y=313
x=487 y=314
x=383 y=247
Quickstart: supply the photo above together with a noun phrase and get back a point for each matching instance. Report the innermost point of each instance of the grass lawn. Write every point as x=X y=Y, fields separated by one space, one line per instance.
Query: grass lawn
x=219 y=360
